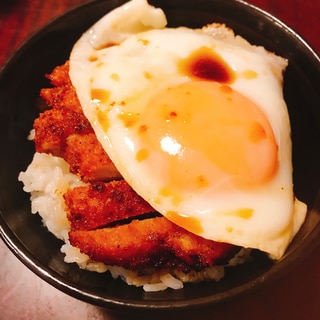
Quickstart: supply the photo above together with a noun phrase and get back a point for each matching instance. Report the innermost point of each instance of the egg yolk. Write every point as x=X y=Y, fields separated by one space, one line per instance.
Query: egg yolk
x=206 y=133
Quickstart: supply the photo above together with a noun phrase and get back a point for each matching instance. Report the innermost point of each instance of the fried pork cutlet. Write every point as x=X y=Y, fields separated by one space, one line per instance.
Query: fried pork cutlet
x=151 y=243
x=88 y=159
x=109 y=221
x=54 y=126
x=64 y=131
x=60 y=75
x=100 y=204
x=62 y=94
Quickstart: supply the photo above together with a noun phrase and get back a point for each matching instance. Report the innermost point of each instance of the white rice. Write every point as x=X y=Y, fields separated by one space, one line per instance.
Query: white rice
x=47 y=178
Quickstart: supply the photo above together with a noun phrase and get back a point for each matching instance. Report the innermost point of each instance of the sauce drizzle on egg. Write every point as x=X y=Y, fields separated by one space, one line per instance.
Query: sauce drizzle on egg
x=189 y=223
x=205 y=64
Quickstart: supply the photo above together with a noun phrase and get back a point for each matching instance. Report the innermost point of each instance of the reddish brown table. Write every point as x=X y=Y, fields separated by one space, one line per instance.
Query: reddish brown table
x=24 y=296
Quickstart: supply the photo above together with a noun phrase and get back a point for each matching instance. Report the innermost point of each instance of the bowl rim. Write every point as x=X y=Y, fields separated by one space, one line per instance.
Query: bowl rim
x=59 y=282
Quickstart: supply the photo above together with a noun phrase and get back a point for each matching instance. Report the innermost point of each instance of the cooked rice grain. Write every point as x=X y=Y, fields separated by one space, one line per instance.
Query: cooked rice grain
x=47 y=178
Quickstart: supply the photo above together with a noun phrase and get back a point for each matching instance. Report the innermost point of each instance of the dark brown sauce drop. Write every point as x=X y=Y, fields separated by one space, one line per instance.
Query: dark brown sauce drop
x=205 y=64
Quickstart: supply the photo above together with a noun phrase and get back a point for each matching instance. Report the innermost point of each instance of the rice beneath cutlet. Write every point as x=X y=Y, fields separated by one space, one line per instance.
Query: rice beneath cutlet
x=47 y=178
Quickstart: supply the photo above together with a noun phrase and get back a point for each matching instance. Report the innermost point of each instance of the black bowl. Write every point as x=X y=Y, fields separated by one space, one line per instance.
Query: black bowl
x=23 y=76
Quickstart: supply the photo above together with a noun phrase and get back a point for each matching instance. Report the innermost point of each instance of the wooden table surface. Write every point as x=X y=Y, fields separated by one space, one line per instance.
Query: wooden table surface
x=295 y=296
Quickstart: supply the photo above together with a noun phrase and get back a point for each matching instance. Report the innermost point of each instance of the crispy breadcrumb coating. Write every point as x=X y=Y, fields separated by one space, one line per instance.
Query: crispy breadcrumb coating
x=101 y=204
x=63 y=131
x=151 y=243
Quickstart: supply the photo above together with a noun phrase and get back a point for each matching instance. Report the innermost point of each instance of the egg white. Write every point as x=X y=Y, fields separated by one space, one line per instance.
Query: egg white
x=131 y=55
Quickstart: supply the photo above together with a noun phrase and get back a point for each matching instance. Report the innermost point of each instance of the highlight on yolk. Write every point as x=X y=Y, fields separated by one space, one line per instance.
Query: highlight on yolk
x=208 y=130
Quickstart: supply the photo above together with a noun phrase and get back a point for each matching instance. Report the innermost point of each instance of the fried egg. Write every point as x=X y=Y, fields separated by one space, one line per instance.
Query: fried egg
x=195 y=121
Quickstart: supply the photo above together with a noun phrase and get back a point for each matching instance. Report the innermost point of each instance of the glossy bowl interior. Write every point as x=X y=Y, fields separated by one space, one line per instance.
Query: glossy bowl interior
x=23 y=76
